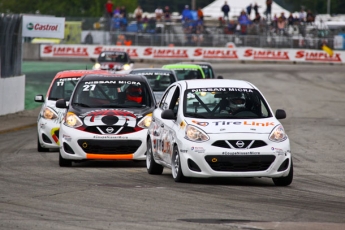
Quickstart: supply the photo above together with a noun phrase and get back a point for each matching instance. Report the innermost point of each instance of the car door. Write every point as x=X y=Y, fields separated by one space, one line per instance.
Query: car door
x=160 y=134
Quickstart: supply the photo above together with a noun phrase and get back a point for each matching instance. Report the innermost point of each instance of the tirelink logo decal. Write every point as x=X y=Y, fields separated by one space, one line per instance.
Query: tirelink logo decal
x=30 y=26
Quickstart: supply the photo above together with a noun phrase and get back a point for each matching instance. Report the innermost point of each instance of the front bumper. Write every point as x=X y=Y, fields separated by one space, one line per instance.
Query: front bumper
x=48 y=132
x=80 y=145
x=205 y=160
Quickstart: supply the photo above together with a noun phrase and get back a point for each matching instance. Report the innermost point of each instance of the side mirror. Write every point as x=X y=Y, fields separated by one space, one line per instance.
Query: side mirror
x=93 y=60
x=280 y=114
x=220 y=77
x=39 y=98
x=168 y=114
x=61 y=103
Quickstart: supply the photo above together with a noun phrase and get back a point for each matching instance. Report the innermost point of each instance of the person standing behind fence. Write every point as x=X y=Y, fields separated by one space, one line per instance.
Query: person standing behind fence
x=200 y=14
x=138 y=14
x=167 y=14
x=268 y=8
x=109 y=8
x=226 y=10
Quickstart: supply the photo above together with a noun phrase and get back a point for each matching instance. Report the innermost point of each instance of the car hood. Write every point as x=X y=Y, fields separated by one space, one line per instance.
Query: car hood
x=219 y=126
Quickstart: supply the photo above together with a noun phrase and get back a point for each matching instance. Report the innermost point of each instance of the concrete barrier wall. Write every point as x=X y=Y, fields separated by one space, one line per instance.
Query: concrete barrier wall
x=12 y=94
x=31 y=52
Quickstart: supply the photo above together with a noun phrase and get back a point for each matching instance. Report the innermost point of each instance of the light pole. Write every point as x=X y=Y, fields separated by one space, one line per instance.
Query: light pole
x=193 y=4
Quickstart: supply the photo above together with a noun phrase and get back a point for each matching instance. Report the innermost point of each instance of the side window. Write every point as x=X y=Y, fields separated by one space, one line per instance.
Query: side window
x=167 y=98
x=174 y=103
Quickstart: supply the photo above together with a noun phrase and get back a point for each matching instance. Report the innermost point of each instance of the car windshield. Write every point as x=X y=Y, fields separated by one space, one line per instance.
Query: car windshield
x=62 y=88
x=112 y=94
x=113 y=57
x=159 y=79
x=188 y=73
x=215 y=103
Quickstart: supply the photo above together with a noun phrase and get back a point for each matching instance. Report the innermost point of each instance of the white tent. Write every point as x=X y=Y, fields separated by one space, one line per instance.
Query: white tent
x=213 y=10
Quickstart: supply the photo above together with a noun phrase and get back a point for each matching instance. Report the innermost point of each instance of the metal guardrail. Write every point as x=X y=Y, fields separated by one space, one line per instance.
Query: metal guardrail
x=10 y=45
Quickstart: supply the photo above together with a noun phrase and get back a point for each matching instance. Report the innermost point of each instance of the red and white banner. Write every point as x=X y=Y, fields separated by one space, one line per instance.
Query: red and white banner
x=195 y=53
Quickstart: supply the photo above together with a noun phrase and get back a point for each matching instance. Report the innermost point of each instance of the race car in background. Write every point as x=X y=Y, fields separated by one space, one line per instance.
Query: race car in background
x=206 y=67
x=186 y=71
x=159 y=79
x=49 y=118
x=114 y=61
x=236 y=134
x=107 y=119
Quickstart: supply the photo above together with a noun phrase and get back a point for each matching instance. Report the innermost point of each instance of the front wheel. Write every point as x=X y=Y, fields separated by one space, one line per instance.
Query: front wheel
x=151 y=165
x=176 y=167
x=284 y=181
x=64 y=162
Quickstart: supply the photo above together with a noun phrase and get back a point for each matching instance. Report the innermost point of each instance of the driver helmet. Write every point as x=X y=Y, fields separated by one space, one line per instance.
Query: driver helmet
x=237 y=101
x=134 y=93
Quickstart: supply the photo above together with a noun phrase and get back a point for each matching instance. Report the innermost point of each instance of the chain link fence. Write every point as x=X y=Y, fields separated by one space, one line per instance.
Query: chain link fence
x=10 y=45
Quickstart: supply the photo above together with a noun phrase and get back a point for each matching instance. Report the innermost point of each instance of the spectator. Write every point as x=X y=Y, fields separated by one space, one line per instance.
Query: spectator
x=302 y=15
x=186 y=14
x=88 y=38
x=256 y=8
x=257 y=18
x=167 y=14
x=109 y=8
x=200 y=14
x=291 y=20
x=268 y=8
x=138 y=14
x=123 y=12
x=244 y=21
x=281 y=23
x=231 y=28
x=310 y=17
x=159 y=14
x=123 y=22
x=116 y=22
x=117 y=11
x=249 y=9
x=226 y=10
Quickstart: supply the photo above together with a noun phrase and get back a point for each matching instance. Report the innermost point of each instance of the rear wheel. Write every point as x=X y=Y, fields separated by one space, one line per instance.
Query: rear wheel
x=284 y=181
x=176 y=167
x=64 y=162
x=151 y=165
x=40 y=148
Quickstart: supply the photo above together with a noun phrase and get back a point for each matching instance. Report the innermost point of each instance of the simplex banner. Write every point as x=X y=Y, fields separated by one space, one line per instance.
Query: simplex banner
x=43 y=27
x=195 y=53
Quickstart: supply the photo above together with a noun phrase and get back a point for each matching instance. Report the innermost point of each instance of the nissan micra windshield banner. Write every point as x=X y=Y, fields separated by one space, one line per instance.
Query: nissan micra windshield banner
x=43 y=27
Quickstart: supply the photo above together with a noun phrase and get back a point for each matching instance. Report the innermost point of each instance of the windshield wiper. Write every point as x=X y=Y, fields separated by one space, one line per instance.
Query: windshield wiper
x=196 y=115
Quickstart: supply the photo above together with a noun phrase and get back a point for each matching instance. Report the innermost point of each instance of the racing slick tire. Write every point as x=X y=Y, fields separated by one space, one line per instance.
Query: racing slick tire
x=64 y=162
x=40 y=148
x=176 y=167
x=151 y=165
x=284 y=181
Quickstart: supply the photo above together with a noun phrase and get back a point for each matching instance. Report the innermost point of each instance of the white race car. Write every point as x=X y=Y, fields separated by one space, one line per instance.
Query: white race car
x=218 y=128
x=106 y=119
x=49 y=118
x=114 y=61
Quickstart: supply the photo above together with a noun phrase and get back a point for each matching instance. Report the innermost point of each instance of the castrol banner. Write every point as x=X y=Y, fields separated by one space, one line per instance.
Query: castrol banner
x=43 y=27
x=195 y=53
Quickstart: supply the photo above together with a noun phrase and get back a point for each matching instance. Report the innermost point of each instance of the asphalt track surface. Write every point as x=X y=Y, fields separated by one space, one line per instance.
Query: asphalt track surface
x=35 y=193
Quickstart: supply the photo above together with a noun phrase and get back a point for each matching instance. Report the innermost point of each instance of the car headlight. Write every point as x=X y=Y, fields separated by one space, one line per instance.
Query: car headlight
x=146 y=121
x=97 y=66
x=126 y=67
x=193 y=133
x=49 y=113
x=278 y=134
x=72 y=120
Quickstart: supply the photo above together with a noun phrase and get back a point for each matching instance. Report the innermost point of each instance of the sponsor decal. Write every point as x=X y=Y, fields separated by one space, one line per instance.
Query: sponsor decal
x=240 y=153
x=252 y=123
x=215 y=53
x=166 y=53
x=42 y=27
x=183 y=150
x=200 y=123
x=198 y=149
x=222 y=90
x=66 y=51
x=182 y=124
x=226 y=123
x=318 y=56
x=267 y=54
x=110 y=137
x=112 y=82
x=278 y=151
